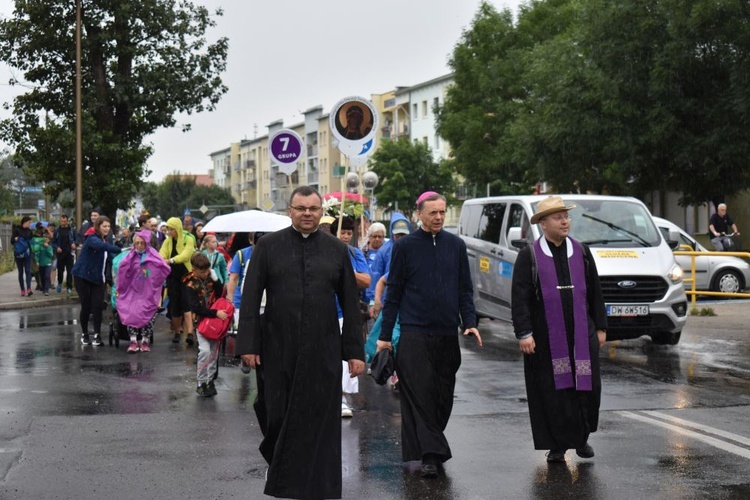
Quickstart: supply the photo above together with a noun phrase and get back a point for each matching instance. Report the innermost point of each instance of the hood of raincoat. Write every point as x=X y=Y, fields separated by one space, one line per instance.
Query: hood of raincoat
x=397 y=217
x=146 y=235
x=139 y=281
x=176 y=224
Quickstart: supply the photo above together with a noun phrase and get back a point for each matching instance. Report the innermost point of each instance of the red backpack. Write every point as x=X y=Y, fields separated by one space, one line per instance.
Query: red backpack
x=216 y=328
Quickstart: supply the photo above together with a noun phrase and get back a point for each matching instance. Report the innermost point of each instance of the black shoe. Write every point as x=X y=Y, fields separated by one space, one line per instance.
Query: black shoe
x=556 y=456
x=586 y=452
x=212 y=389
x=429 y=470
x=85 y=339
x=176 y=338
x=203 y=391
x=97 y=339
x=189 y=340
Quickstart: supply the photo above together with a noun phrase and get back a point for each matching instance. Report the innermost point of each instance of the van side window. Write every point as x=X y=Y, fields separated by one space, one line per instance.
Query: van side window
x=491 y=222
x=518 y=218
x=469 y=221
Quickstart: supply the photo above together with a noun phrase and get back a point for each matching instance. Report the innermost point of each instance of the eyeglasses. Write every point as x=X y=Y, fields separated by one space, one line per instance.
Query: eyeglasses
x=379 y=236
x=559 y=217
x=312 y=210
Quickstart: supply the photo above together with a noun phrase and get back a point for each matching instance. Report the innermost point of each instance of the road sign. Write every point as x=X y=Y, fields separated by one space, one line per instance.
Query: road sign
x=267 y=204
x=286 y=150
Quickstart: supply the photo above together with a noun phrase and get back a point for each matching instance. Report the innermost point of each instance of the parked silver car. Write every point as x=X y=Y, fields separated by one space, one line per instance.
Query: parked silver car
x=713 y=273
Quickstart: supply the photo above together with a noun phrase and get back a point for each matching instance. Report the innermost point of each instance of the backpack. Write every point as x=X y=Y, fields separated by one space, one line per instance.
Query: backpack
x=216 y=328
x=21 y=248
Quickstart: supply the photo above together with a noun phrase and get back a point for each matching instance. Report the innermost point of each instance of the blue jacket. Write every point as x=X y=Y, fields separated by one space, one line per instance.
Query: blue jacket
x=92 y=261
x=382 y=262
x=429 y=286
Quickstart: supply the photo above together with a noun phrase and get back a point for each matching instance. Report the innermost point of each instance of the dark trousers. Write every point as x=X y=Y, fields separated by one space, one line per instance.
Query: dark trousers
x=24 y=265
x=426 y=366
x=92 y=300
x=44 y=277
x=65 y=264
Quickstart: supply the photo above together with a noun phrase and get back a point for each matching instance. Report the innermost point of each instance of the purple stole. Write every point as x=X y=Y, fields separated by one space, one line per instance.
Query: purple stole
x=553 y=311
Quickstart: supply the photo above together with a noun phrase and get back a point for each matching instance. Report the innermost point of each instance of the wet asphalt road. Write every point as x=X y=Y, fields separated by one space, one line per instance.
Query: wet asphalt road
x=91 y=422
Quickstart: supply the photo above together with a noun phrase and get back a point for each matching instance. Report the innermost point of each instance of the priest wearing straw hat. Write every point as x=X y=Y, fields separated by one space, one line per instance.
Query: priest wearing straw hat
x=560 y=321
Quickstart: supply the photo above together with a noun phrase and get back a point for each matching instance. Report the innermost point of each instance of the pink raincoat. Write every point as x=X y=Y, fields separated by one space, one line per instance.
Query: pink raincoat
x=139 y=281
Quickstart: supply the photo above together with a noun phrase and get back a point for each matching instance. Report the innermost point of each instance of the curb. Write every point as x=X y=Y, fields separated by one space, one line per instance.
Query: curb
x=41 y=302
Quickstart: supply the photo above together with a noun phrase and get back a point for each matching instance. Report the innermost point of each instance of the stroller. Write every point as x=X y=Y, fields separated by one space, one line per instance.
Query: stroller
x=118 y=331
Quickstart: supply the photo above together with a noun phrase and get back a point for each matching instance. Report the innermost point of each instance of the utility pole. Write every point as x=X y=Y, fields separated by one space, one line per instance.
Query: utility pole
x=79 y=160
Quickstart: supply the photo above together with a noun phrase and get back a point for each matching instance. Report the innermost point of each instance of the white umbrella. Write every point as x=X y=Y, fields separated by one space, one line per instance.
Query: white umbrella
x=247 y=221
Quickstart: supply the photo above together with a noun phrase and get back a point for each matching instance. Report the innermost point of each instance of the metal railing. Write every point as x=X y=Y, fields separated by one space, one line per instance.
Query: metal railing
x=693 y=292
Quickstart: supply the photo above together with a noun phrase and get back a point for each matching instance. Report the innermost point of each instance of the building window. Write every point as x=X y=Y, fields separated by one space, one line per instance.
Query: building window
x=415 y=112
x=437 y=142
x=424 y=140
x=424 y=109
x=435 y=103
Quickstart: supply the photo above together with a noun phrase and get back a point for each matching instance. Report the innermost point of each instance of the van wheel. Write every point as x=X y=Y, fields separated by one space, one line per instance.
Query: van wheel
x=728 y=281
x=666 y=338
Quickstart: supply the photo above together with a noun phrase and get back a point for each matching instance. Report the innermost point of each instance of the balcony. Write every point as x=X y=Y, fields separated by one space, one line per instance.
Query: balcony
x=313 y=177
x=249 y=163
x=312 y=150
x=250 y=184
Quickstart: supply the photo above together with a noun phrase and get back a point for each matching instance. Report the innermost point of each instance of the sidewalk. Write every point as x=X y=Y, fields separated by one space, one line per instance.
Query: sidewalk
x=10 y=295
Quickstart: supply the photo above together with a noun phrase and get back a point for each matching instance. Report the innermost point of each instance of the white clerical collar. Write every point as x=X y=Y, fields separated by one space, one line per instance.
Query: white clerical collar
x=304 y=235
x=545 y=247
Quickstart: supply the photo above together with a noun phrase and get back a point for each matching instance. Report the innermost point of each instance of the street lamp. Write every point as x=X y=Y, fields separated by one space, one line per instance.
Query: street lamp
x=370 y=181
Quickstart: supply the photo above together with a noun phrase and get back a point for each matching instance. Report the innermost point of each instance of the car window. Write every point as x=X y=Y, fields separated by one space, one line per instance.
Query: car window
x=613 y=223
x=517 y=218
x=491 y=222
x=469 y=221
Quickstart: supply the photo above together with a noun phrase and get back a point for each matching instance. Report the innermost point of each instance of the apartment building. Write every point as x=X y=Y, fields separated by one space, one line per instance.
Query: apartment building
x=245 y=168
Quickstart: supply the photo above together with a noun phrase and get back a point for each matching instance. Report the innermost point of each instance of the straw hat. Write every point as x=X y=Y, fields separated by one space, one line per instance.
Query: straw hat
x=550 y=206
x=327 y=219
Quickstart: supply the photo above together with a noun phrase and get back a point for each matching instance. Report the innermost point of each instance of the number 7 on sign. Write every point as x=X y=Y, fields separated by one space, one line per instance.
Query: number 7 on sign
x=285 y=141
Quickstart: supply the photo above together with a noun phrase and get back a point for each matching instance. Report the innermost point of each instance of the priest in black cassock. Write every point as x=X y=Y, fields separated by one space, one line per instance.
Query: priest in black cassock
x=560 y=320
x=297 y=348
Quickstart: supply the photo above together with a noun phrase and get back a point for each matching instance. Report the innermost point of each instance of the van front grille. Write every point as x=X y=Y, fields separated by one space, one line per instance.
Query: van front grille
x=633 y=289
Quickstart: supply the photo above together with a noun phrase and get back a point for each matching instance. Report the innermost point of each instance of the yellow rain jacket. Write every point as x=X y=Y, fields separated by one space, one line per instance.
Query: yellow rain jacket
x=185 y=244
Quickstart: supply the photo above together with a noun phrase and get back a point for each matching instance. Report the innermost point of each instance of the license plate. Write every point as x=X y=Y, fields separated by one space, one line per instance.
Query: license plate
x=627 y=310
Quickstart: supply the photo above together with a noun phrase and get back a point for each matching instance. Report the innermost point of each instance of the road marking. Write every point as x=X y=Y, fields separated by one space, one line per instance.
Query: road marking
x=723 y=445
x=705 y=428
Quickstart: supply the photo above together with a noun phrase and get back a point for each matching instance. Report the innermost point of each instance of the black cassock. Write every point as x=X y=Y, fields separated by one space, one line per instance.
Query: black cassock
x=560 y=419
x=301 y=349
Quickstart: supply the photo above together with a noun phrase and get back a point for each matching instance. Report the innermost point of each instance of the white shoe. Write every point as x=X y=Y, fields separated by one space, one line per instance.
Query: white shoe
x=346 y=411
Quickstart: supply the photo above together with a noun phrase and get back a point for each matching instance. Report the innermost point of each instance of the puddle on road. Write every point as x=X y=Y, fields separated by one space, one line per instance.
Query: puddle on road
x=125 y=369
x=26 y=325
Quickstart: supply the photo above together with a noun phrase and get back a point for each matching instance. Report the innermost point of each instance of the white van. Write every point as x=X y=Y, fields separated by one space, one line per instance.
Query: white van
x=641 y=282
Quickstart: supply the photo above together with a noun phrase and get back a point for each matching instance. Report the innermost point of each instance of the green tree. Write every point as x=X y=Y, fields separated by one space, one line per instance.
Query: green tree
x=605 y=96
x=177 y=192
x=209 y=195
x=481 y=104
x=406 y=170
x=569 y=132
x=142 y=63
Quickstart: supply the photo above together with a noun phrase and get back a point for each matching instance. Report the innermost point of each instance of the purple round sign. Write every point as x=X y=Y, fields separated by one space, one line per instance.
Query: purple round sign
x=286 y=147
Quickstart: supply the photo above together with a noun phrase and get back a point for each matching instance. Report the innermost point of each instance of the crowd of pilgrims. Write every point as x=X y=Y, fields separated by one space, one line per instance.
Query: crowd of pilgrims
x=154 y=268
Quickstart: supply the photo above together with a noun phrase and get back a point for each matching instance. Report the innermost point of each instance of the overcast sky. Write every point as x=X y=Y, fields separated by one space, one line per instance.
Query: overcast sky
x=287 y=56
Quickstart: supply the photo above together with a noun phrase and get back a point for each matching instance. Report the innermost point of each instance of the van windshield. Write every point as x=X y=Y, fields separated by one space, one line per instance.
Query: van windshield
x=612 y=223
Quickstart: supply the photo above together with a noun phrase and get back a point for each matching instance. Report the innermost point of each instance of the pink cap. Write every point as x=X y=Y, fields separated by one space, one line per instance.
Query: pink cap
x=424 y=195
